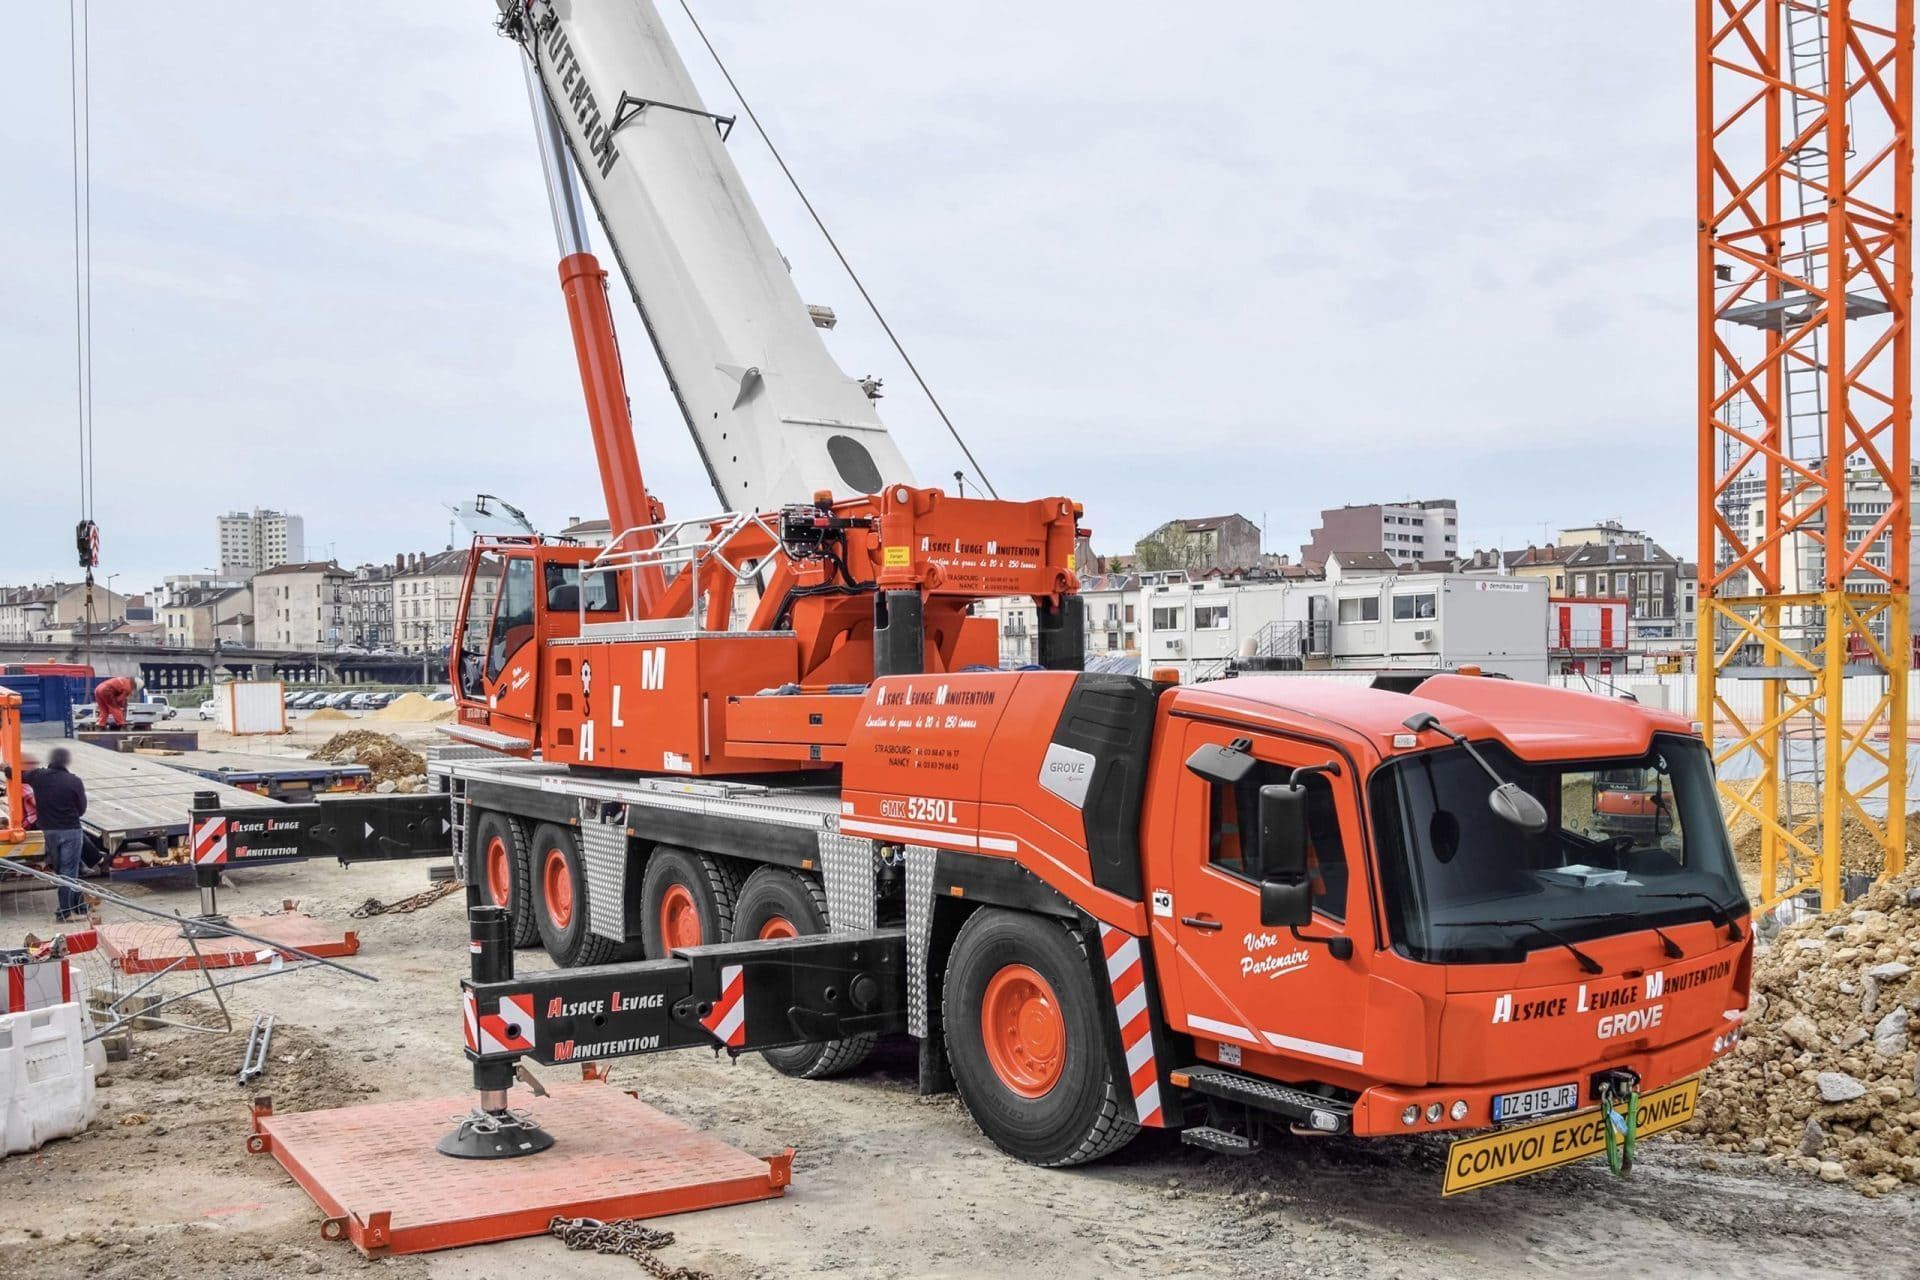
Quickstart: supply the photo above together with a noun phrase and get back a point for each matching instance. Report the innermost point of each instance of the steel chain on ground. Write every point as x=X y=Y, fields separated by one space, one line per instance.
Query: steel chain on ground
x=626 y=1238
x=425 y=898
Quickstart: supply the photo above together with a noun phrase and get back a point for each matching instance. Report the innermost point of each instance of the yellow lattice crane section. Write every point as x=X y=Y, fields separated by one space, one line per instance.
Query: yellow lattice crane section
x=1804 y=186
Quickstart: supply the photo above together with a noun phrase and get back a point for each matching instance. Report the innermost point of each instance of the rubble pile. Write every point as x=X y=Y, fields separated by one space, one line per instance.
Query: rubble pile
x=1860 y=848
x=395 y=767
x=1827 y=1076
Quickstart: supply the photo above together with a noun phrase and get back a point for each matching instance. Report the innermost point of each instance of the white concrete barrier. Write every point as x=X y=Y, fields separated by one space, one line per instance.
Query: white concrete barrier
x=46 y=1082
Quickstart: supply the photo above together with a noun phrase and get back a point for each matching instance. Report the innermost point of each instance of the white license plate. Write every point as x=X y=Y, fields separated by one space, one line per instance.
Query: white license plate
x=1535 y=1102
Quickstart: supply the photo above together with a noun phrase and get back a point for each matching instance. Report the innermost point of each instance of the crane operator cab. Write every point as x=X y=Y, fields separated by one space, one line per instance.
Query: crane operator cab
x=518 y=591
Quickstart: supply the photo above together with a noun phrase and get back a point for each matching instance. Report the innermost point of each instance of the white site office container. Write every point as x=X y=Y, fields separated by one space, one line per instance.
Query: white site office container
x=250 y=706
x=46 y=1082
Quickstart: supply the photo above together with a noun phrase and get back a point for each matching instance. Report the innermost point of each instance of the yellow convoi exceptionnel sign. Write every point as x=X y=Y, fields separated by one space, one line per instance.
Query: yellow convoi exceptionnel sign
x=1513 y=1153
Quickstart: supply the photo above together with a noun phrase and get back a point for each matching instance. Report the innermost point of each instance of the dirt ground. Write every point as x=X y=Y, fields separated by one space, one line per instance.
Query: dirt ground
x=886 y=1183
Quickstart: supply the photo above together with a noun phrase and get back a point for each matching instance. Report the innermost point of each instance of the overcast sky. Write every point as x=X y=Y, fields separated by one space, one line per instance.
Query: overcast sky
x=1168 y=259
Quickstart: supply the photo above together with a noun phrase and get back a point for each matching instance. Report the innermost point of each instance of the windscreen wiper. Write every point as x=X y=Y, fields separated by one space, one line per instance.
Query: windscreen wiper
x=1587 y=962
x=1668 y=945
x=1722 y=911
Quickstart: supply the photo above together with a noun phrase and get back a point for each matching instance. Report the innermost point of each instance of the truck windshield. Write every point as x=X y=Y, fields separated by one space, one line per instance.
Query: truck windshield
x=1629 y=843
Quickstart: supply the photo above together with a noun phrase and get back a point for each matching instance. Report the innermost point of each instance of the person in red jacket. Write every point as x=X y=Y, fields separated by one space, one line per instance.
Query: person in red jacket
x=110 y=702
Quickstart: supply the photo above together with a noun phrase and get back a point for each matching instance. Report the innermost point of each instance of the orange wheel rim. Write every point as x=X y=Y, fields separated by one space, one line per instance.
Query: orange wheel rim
x=499 y=872
x=559 y=887
x=679 y=918
x=777 y=927
x=1024 y=1033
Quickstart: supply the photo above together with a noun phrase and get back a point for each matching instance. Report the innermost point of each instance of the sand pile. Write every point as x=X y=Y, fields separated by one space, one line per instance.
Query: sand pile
x=1825 y=1078
x=328 y=713
x=395 y=768
x=414 y=708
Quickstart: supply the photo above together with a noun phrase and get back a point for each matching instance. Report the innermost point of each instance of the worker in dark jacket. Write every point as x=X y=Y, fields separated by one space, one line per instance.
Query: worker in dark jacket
x=61 y=799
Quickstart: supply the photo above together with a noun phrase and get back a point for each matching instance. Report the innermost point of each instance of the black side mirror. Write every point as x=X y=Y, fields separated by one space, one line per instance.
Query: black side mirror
x=1283 y=832
x=1286 y=904
x=1518 y=807
x=1225 y=765
x=1286 y=896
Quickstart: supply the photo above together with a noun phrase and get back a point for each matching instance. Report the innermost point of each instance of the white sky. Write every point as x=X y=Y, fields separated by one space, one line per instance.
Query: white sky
x=1167 y=259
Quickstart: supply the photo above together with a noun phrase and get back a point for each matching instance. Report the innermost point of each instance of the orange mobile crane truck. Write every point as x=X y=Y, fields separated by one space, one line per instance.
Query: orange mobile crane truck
x=1099 y=903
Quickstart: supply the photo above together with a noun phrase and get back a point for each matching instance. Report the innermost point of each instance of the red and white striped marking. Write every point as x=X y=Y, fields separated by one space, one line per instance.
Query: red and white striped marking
x=727 y=1020
x=1128 y=978
x=510 y=1030
x=209 y=841
x=36 y=984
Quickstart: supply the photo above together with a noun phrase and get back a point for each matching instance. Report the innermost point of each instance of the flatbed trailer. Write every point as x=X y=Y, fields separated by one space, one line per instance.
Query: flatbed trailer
x=275 y=777
x=135 y=801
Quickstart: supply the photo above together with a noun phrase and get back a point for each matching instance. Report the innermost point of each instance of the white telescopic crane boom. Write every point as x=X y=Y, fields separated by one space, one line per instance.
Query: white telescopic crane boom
x=775 y=419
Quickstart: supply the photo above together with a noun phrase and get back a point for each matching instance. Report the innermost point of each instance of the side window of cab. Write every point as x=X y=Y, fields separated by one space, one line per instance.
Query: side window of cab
x=1232 y=842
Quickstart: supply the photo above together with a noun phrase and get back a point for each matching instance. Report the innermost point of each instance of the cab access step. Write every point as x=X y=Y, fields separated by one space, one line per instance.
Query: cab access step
x=1229 y=1092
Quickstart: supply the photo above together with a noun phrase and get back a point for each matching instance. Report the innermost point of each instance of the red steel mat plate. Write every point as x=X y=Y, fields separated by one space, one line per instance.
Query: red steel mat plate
x=374 y=1172
x=139 y=947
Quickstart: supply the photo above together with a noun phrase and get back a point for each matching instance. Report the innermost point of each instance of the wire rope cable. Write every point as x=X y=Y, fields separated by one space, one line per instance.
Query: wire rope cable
x=872 y=306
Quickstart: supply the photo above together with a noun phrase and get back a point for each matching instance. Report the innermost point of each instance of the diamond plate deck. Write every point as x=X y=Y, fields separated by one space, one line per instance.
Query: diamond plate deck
x=374 y=1173
x=138 y=947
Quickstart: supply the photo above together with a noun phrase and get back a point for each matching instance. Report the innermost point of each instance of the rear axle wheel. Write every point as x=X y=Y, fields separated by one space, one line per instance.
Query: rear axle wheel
x=500 y=869
x=778 y=903
x=562 y=911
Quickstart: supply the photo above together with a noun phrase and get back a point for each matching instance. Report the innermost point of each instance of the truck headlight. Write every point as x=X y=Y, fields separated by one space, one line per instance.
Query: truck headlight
x=1410 y=1115
x=1433 y=1113
x=1459 y=1109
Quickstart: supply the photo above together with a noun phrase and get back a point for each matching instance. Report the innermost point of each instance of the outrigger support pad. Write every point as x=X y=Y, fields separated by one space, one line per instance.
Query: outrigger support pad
x=499 y=1134
x=492 y=1130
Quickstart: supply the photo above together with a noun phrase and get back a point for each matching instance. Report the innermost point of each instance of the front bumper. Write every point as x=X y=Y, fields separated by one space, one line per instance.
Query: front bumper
x=1379 y=1112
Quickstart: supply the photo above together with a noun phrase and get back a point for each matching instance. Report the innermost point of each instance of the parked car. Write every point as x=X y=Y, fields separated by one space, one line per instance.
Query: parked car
x=441 y=695
x=337 y=701
x=377 y=700
x=206 y=711
x=140 y=715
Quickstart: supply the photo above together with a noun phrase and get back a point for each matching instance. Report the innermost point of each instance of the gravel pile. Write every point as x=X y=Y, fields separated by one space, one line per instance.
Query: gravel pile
x=395 y=767
x=1827 y=1078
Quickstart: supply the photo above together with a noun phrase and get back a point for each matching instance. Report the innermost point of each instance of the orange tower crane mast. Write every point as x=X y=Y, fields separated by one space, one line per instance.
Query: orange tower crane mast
x=1804 y=190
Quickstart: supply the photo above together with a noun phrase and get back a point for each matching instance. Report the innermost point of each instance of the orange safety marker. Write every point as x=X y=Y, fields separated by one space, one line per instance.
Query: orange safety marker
x=150 y=946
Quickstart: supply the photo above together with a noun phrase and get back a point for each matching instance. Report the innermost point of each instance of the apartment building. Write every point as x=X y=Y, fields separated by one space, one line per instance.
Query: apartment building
x=1407 y=532
x=36 y=612
x=194 y=617
x=300 y=606
x=260 y=539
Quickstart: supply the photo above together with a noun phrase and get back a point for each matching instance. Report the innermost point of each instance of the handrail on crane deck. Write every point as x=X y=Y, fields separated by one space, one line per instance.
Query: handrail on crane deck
x=666 y=546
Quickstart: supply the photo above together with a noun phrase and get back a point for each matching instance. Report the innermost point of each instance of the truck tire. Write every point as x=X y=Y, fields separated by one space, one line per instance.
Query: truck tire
x=560 y=890
x=1025 y=1037
x=778 y=903
x=686 y=899
x=499 y=866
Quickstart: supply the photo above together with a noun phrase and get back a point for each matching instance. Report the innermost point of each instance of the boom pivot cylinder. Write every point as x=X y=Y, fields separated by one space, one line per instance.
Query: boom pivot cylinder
x=603 y=381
